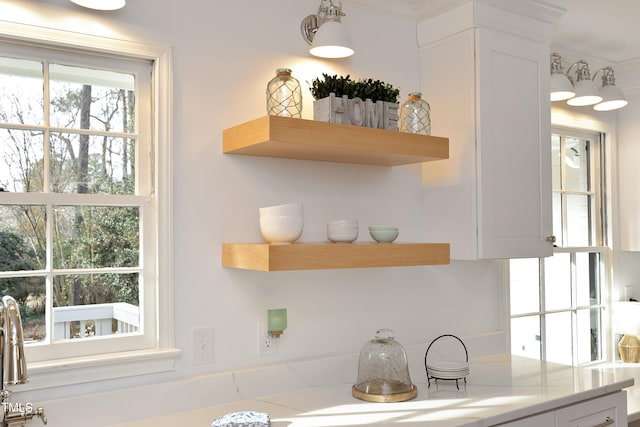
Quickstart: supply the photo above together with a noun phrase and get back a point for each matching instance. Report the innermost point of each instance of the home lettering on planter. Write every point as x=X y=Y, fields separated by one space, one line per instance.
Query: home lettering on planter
x=355 y=111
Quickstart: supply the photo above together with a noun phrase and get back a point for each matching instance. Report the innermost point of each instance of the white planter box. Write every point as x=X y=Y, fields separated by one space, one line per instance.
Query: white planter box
x=382 y=115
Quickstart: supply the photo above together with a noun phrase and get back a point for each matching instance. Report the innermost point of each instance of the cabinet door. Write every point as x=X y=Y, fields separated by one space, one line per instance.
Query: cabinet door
x=609 y=410
x=489 y=93
x=514 y=147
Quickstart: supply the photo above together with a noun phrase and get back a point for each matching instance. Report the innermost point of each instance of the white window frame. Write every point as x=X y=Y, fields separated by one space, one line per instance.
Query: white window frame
x=161 y=355
x=564 y=119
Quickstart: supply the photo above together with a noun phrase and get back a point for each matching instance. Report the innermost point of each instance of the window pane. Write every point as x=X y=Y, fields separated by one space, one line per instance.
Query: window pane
x=588 y=278
x=69 y=136
x=21 y=91
x=84 y=98
x=95 y=237
x=557 y=274
x=571 y=282
x=525 y=286
x=29 y=293
x=577 y=160
x=556 y=177
x=92 y=164
x=21 y=160
x=95 y=305
x=22 y=238
x=558 y=342
x=589 y=335
x=525 y=337
x=578 y=220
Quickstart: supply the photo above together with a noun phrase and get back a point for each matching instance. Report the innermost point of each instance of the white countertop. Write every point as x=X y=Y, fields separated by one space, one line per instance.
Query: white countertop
x=621 y=371
x=498 y=390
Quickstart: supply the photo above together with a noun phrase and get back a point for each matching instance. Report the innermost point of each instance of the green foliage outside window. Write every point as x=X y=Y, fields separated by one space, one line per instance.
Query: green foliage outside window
x=82 y=236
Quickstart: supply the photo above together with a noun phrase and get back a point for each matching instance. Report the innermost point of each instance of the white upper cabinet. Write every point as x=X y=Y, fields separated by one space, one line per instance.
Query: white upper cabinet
x=485 y=72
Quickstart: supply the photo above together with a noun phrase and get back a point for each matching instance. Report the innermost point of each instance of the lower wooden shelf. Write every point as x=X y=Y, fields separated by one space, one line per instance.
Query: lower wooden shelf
x=322 y=256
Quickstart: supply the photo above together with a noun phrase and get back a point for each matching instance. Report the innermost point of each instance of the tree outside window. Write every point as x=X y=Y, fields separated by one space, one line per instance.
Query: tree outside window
x=71 y=206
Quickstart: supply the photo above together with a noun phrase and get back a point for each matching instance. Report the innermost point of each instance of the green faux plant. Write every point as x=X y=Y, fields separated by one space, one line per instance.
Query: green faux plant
x=374 y=90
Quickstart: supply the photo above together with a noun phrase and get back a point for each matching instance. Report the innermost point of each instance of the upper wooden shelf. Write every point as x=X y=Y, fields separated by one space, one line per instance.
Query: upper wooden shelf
x=323 y=256
x=274 y=136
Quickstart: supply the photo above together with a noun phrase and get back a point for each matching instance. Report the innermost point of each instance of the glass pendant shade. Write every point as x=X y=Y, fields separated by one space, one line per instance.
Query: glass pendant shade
x=101 y=4
x=561 y=87
x=612 y=99
x=332 y=41
x=586 y=94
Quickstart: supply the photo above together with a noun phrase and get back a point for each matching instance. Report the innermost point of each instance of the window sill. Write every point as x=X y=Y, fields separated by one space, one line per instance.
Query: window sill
x=97 y=368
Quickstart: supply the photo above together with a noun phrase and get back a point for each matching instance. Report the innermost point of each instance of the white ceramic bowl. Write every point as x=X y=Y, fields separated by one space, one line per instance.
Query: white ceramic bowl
x=342 y=225
x=384 y=234
x=343 y=238
x=288 y=209
x=342 y=230
x=343 y=222
x=281 y=229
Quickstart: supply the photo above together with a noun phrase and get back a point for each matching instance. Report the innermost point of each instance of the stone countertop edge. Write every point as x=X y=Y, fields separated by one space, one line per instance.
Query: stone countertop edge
x=552 y=404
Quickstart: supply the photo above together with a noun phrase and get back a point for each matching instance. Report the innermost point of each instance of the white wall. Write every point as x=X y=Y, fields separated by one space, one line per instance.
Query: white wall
x=224 y=55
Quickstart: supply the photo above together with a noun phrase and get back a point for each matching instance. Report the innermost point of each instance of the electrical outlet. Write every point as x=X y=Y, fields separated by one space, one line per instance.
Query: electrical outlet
x=266 y=343
x=203 y=345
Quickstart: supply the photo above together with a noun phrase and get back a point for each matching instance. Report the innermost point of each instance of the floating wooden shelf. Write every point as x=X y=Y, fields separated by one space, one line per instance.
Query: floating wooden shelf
x=274 y=136
x=322 y=256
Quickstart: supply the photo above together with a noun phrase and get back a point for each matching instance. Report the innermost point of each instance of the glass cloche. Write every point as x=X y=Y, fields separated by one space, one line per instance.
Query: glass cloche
x=383 y=371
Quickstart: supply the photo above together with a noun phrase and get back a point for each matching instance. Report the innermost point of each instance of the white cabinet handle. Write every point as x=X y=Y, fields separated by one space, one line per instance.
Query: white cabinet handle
x=607 y=422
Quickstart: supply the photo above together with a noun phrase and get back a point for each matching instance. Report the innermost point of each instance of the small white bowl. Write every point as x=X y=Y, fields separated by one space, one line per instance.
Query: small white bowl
x=343 y=222
x=348 y=237
x=288 y=209
x=342 y=230
x=384 y=234
x=281 y=229
x=342 y=225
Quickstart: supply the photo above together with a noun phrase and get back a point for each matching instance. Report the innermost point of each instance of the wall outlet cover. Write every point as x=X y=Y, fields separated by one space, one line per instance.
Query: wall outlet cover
x=203 y=345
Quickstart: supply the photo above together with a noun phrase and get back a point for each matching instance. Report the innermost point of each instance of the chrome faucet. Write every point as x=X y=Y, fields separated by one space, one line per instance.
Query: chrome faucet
x=13 y=368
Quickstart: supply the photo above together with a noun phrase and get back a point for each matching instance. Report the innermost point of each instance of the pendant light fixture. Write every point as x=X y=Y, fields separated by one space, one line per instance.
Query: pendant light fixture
x=612 y=97
x=582 y=90
x=561 y=87
x=325 y=33
x=586 y=91
x=101 y=4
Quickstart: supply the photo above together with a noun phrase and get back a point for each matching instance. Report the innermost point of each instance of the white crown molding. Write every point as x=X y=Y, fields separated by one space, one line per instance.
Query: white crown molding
x=546 y=11
x=399 y=8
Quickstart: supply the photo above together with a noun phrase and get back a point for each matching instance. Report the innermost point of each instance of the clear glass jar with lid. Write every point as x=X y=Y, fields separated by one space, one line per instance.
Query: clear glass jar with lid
x=383 y=371
x=415 y=115
x=284 y=95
